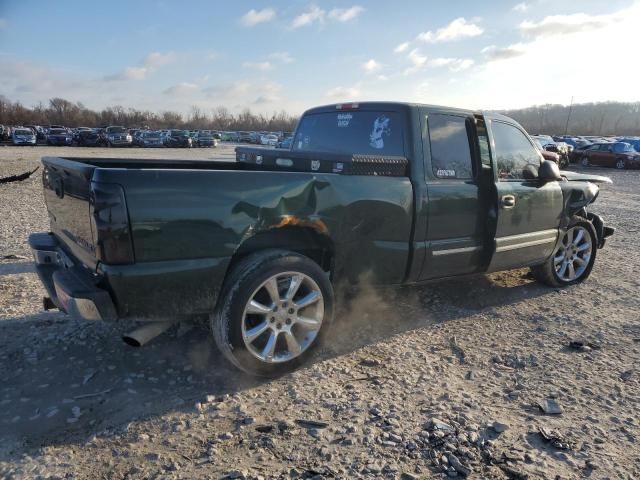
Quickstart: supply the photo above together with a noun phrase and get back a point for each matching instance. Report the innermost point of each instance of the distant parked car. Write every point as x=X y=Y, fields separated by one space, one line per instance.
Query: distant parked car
x=269 y=139
x=59 y=137
x=285 y=143
x=619 y=155
x=86 y=137
x=230 y=137
x=244 y=137
x=115 y=136
x=23 y=136
x=150 y=140
x=178 y=138
x=204 y=139
x=546 y=154
x=39 y=131
x=548 y=144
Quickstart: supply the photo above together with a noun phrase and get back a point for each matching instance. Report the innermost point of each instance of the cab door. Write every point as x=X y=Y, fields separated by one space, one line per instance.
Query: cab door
x=457 y=210
x=527 y=211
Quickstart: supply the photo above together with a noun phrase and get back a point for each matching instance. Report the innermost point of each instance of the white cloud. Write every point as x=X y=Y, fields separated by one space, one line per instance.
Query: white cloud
x=157 y=59
x=453 y=64
x=343 y=93
x=254 y=17
x=312 y=15
x=521 y=7
x=263 y=66
x=282 y=57
x=129 y=73
x=181 y=88
x=493 y=53
x=382 y=78
x=345 y=14
x=371 y=66
x=149 y=64
x=567 y=24
x=418 y=61
x=457 y=29
x=402 y=47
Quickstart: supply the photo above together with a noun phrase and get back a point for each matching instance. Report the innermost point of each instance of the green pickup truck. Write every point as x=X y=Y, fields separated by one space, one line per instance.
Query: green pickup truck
x=401 y=193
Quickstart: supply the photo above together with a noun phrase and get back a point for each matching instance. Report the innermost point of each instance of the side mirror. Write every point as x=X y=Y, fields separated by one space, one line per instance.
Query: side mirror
x=549 y=171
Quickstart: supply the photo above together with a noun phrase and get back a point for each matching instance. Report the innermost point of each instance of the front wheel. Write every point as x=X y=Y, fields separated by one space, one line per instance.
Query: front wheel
x=272 y=312
x=620 y=164
x=585 y=161
x=573 y=259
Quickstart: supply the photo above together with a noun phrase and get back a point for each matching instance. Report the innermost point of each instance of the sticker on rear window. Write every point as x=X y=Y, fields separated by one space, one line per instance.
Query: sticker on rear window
x=445 y=173
x=344 y=119
x=381 y=129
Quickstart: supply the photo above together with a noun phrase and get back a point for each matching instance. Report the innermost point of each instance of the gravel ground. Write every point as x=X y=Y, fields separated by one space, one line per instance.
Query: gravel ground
x=441 y=380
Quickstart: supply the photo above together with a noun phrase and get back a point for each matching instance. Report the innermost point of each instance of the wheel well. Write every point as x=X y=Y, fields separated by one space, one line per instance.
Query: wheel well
x=304 y=241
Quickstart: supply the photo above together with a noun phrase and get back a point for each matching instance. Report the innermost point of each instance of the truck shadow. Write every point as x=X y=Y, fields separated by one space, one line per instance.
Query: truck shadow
x=65 y=380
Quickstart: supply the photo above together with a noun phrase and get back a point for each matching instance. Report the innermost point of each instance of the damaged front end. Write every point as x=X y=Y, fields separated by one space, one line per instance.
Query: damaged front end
x=579 y=191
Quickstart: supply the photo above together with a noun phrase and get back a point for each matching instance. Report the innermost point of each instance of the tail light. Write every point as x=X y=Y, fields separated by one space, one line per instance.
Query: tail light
x=110 y=224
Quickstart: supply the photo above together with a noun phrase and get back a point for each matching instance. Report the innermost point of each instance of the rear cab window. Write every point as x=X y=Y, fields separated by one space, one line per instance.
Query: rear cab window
x=450 y=149
x=358 y=132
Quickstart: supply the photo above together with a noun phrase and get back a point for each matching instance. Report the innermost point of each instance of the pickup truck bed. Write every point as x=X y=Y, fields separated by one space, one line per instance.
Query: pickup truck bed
x=210 y=210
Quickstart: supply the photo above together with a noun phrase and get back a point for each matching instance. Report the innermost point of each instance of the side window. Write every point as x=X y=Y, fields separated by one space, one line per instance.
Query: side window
x=605 y=148
x=516 y=157
x=483 y=142
x=450 y=152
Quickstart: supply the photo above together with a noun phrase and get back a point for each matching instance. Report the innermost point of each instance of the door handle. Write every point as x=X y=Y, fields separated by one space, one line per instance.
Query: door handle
x=508 y=201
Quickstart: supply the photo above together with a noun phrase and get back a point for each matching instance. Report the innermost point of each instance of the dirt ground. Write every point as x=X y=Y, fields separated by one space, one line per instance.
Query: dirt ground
x=441 y=380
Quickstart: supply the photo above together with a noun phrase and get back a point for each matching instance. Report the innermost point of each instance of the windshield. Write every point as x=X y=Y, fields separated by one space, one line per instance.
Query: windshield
x=24 y=131
x=116 y=130
x=57 y=131
x=179 y=133
x=152 y=135
x=356 y=132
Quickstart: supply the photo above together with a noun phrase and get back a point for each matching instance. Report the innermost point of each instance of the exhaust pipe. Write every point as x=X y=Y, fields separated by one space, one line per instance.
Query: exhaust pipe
x=144 y=334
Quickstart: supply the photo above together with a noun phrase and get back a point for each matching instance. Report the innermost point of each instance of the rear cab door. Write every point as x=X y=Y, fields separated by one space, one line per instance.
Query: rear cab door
x=526 y=212
x=456 y=169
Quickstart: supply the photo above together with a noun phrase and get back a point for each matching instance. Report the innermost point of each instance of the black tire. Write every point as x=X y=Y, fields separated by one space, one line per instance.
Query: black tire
x=585 y=161
x=547 y=274
x=239 y=288
x=621 y=164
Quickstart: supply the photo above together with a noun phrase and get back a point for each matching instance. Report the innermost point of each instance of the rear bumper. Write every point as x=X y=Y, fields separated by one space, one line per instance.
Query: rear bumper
x=71 y=287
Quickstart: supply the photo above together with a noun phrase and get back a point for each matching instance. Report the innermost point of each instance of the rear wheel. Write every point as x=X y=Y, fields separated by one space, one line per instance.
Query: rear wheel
x=272 y=312
x=585 y=161
x=573 y=259
x=620 y=164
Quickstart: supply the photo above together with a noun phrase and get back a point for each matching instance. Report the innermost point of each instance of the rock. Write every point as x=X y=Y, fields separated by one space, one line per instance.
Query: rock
x=225 y=436
x=264 y=428
x=236 y=474
x=435 y=424
x=458 y=466
x=500 y=427
x=550 y=406
x=471 y=375
x=312 y=423
x=370 y=362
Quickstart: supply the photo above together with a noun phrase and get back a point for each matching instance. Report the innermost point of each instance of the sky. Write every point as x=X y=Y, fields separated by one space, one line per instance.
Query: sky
x=272 y=55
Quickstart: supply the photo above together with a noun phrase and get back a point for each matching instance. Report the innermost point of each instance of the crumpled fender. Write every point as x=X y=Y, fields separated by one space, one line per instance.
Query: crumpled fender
x=577 y=195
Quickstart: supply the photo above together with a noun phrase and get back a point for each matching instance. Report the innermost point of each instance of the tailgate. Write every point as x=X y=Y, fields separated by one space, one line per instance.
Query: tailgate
x=66 y=193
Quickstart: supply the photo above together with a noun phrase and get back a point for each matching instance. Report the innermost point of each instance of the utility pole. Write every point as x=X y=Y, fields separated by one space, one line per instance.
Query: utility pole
x=566 y=127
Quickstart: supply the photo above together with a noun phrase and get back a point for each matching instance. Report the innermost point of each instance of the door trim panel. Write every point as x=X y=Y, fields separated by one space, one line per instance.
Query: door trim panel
x=513 y=242
x=450 y=251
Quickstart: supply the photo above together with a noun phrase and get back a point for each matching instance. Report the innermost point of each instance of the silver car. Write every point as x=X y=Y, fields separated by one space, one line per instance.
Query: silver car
x=23 y=136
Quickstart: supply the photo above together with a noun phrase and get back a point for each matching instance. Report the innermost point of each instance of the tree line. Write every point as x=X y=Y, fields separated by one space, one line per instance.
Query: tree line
x=69 y=114
x=604 y=118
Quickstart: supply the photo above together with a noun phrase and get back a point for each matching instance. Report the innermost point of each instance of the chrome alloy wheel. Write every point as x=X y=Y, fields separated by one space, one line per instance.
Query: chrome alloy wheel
x=572 y=258
x=283 y=317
